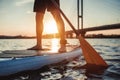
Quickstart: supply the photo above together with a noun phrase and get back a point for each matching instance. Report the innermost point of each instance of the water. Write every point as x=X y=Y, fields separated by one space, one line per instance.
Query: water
x=109 y=49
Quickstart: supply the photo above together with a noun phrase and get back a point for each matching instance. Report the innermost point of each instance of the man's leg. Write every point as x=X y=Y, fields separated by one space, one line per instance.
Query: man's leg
x=39 y=30
x=61 y=29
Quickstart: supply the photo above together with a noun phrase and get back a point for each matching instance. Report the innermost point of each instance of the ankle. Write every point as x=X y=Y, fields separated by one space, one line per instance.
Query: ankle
x=39 y=46
x=63 y=45
x=63 y=42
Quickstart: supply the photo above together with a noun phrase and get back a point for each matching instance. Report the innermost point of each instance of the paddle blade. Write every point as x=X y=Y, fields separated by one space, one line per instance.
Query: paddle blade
x=90 y=55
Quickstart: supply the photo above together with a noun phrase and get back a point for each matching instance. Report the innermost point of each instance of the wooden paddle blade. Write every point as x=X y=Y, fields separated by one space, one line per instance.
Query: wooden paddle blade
x=90 y=55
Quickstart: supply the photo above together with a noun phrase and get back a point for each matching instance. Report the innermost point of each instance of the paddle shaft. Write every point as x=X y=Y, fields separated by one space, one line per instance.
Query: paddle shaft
x=91 y=56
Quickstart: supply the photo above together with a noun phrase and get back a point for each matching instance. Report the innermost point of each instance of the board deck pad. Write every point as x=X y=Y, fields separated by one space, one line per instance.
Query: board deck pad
x=28 y=53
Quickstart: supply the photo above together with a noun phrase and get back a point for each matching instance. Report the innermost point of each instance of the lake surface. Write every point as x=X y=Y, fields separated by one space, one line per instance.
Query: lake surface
x=109 y=49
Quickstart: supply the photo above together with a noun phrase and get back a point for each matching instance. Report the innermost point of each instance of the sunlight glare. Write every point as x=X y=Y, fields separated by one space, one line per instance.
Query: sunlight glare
x=54 y=45
x=50 y=27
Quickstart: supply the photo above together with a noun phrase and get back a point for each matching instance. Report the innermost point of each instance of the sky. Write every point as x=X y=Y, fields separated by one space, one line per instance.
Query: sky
x=17 y=16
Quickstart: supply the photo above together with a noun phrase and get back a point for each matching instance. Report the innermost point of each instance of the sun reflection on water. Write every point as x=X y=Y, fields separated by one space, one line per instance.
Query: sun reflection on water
x=54 y=45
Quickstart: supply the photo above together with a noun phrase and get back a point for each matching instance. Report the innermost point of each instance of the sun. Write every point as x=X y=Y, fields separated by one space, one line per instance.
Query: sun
x=50 y=27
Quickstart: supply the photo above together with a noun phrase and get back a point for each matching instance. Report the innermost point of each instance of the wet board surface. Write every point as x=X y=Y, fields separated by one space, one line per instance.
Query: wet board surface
x=12 y=66
x=28 y=53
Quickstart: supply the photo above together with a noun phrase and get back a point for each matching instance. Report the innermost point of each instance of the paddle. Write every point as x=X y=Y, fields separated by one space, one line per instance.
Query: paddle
x=91 y=56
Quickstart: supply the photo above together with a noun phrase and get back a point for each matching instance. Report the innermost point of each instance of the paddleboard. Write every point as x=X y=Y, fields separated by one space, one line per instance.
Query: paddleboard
x=27 y=53
x=34 y=62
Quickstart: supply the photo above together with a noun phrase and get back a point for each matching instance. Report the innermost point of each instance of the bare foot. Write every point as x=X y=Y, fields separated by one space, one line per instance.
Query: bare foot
x=62 y=49
x=35 y=48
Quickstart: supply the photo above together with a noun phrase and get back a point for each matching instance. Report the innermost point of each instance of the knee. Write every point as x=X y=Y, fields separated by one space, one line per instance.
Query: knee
x=56 y=14
x=39 y=15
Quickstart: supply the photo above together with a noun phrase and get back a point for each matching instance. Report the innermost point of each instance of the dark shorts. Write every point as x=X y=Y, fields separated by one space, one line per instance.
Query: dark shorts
x=42 y=5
